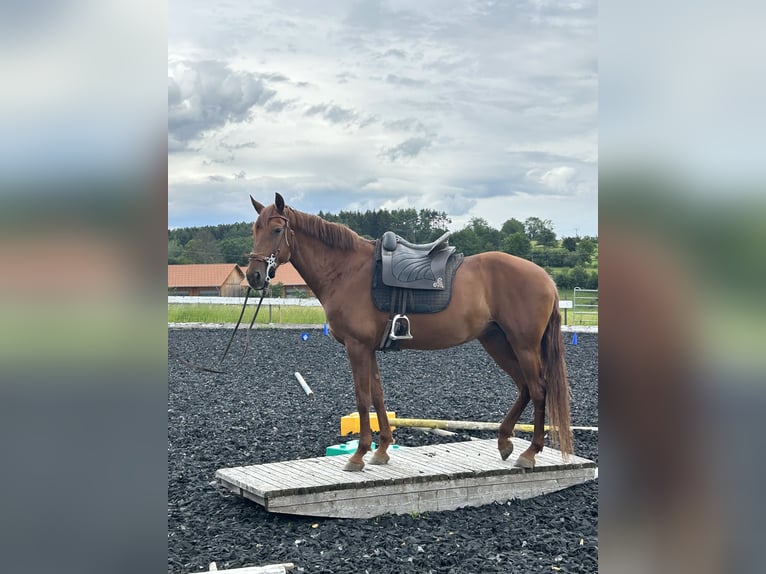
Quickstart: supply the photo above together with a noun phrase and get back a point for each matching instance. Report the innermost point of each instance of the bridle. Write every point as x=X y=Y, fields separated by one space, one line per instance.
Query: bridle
x=272 y=262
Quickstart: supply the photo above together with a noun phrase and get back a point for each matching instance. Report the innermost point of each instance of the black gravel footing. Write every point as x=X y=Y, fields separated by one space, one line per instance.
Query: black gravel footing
x=260 y=414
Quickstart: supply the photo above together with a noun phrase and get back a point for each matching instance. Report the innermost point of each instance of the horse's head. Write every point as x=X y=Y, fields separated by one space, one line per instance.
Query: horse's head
x=272 y=239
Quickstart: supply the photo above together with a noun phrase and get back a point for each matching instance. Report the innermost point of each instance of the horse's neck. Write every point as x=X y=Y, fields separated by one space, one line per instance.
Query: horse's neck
x=319 y=264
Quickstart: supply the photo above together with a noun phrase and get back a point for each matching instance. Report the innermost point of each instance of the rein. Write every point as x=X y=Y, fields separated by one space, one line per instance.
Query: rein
x=228 y=346
x=272 y=262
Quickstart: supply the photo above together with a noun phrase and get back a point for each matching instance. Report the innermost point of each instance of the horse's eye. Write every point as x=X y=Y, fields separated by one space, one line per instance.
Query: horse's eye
x=277 y=231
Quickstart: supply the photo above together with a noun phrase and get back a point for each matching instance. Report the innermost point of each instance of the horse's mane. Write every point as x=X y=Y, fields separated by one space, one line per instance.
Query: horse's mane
x=332 y=234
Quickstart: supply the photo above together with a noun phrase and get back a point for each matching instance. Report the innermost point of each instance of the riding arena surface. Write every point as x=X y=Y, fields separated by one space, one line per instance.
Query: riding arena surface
x=259 y=414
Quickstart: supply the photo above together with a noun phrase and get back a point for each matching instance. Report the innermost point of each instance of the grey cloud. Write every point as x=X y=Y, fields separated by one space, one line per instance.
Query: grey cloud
x=279 y=105
x=395 y=53
x=376 y=14
x=455 y=204
x=219 y=160
x=368 y=121
x=406 y=124
x=275 y=77
x=218 y=178
x=404 y=81
x=206 y=95
x=339 y=115
x=407 y=149
x=242 y=145
x=332 y=113
x=344 y=77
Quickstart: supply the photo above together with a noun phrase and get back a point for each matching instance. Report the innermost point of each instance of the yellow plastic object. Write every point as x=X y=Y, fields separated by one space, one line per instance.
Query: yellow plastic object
x=350 y=423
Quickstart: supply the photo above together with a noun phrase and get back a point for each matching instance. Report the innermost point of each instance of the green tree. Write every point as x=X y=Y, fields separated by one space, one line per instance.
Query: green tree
x=489 y=237
x=562 y=279
x=579 y=277
x=431 y=224
x=539 y=254
x=202 y=249
x=592 y=282
x=512 y=226
x=540 y=230
x=275 y=289
x=516 y=244
x=569 y=243
x=586 y=248
x=235 y=249
x=175 y=250
x=557 y=256
x=466 y=241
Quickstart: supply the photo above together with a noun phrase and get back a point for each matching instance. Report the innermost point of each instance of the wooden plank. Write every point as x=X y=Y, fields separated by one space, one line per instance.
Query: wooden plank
x=267 y=569
x=444 y=495
x=418 y=479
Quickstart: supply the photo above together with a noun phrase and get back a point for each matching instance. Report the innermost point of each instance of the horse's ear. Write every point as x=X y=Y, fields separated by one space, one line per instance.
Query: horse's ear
x=279 y=202
x=258 y=207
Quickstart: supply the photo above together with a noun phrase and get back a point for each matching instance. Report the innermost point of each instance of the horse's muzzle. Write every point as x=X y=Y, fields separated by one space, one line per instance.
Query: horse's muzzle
x=256 y=279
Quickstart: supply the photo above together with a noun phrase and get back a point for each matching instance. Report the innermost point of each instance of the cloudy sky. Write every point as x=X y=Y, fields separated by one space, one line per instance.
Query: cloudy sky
x=478 y=109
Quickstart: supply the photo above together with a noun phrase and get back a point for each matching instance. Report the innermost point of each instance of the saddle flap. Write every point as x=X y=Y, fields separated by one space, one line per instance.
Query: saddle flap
x=414 y=268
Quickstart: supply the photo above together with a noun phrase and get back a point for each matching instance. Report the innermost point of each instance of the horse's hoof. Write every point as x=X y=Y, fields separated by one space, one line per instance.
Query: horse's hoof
x=352 y=466
x=379 y=458
x=506 y=450
x=524 y=462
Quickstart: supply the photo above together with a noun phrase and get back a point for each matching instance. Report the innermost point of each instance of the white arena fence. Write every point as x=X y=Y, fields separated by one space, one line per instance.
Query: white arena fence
x=267 y=302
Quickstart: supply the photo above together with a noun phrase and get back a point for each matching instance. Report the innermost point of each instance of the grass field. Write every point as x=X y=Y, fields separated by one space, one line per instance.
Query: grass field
x=229 y=314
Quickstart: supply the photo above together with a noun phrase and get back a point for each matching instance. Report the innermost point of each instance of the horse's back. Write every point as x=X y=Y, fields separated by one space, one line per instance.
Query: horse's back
x=501 y=272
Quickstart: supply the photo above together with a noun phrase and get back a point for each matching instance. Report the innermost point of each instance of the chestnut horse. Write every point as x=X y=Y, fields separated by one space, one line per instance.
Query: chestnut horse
x=509 y=304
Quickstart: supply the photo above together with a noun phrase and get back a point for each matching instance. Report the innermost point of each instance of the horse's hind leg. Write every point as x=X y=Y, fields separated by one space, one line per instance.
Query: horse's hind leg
x=498 y=348
x=530 y=362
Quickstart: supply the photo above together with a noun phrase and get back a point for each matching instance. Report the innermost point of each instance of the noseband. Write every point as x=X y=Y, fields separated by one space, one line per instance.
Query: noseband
x=272 y=261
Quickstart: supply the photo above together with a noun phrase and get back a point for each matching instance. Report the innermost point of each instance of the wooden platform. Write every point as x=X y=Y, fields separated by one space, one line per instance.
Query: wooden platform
x=417 y=479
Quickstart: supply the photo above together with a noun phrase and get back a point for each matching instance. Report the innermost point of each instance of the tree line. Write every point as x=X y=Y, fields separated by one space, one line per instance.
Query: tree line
x=571 y=261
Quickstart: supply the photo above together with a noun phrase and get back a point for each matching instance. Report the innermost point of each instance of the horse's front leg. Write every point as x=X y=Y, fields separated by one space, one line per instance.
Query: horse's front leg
x=361 y=358
x=386 y=436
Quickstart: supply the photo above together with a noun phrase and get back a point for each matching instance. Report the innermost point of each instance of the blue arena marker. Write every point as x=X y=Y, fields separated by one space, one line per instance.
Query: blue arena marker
x=305 y=336
x=574 y=338
x=326 y=329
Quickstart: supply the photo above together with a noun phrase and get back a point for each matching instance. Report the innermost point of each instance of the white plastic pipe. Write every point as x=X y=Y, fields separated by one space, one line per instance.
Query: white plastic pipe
x=302 y=381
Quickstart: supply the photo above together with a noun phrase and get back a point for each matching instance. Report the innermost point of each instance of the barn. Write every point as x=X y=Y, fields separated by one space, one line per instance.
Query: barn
x=221 y=279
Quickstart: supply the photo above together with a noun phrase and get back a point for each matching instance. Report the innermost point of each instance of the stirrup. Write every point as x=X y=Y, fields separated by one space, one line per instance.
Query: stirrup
x=393 y=336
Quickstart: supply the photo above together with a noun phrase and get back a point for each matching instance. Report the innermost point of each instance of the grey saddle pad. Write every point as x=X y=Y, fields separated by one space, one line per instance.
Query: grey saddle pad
x=418 y=300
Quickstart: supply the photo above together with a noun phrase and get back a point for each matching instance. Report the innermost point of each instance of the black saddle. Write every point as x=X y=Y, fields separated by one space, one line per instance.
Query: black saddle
x=414 y=266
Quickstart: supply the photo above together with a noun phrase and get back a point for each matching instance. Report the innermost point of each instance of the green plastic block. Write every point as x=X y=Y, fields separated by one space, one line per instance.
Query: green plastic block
x=349 y=448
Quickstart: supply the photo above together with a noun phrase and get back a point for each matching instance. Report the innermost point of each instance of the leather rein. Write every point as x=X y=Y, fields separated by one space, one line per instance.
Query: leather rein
x=272 y=262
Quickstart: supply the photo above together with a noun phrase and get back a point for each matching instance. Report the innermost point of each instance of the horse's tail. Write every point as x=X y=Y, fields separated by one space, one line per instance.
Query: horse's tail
x=555 y=377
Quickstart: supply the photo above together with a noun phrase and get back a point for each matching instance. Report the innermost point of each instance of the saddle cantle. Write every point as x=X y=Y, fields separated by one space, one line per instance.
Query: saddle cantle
x=414 y=266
